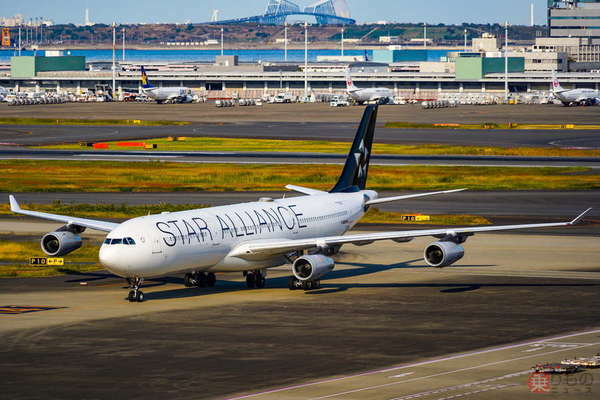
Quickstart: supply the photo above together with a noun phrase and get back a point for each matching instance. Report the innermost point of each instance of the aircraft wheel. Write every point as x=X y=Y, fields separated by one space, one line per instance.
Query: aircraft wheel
x=211 y=279
x=139 y=297
x=251 y=280
x=292 y=283
x=131 y=296
x=187 y=280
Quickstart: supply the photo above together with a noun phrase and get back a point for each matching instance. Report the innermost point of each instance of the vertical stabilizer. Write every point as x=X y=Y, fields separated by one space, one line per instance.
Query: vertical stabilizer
x=350 y=87
x=354 y=175
x=144 y=78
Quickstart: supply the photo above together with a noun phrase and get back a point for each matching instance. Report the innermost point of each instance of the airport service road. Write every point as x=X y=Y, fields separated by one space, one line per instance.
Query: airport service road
x=340 y=132
x=380 y=309
x=501 y=372
x=294 y=158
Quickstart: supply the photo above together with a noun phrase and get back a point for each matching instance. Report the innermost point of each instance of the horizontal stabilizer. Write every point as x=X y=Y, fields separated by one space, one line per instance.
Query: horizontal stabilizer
x=409 y=196
x=304 y=190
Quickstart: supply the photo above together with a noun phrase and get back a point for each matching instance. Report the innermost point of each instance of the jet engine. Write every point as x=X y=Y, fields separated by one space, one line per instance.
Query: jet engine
x=443 y=254
x=60 y=243
x=312 y=267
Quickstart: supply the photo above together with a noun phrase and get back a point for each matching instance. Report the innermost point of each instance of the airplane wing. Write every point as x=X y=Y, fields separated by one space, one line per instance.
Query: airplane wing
x=409 y=196
x=87 y=223
x=265 y=248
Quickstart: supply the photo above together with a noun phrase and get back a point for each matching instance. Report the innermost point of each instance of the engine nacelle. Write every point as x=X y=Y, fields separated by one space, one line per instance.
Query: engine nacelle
x=60 y=243
x=313 y=267
x=443 y=254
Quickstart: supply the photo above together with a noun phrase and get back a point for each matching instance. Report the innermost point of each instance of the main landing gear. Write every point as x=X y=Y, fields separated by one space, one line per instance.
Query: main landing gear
x=296 y=284
x=256 y=279
x=135 y=294
x=200 y=279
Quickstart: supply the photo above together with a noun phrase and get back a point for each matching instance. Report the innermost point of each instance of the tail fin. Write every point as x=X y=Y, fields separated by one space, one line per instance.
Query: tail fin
x=556 y=84
x=144 y=78
x=350 y=87
x=354 y=175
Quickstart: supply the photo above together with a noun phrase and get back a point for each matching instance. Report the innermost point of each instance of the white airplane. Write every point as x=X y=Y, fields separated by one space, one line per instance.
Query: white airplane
x=361 y=96
x=586 y=97
x=3 y=93
x=252 y=237
x=167 y=94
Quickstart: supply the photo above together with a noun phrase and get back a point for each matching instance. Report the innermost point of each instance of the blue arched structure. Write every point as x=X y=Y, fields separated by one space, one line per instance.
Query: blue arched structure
x=279 y=10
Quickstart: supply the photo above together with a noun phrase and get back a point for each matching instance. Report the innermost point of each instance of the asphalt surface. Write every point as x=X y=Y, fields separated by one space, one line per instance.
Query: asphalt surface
x=379 y=310
x=342 y=132
x=294 y=158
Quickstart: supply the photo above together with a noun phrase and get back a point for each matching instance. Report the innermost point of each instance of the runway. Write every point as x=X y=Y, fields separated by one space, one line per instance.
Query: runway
x=383 y=326
x=294 y=158
x=36 y=135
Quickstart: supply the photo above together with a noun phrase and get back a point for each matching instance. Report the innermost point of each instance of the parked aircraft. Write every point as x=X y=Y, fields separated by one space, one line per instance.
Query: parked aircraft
x=361 y=96
x=251 y=237
x=585 y=97
x=165 y=94
x=3 y=93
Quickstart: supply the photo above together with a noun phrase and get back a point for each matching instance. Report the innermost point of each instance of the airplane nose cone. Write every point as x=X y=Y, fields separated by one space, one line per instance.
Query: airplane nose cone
x=111 y=260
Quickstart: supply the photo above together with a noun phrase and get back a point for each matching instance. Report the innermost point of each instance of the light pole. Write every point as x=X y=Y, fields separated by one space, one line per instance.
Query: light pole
x=506 y=61
x=123 y=44
x=465 y=40
x=222 y=44
x=425 y=35
x=114 y=60
x=306 y=59
x=285 y=40
x=20 y=46
x=342 y=42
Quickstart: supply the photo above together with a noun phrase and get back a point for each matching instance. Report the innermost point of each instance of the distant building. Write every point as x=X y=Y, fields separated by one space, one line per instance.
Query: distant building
x=17 y=20
x=486 y=42
x=574 y=18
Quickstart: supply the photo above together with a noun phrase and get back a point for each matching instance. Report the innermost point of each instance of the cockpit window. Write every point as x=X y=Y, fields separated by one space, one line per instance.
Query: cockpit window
x=126 y=241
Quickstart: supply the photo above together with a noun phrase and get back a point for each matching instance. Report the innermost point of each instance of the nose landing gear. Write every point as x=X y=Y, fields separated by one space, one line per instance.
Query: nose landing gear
x=135 y=295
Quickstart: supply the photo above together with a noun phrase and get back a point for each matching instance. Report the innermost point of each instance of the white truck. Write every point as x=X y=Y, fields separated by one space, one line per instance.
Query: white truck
x=339 y=101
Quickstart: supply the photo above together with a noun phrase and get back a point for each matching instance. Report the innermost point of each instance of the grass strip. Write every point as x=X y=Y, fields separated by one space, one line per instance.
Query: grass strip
x=54 y=121
x=109 y=176
x=18 y=253
x=318 y=146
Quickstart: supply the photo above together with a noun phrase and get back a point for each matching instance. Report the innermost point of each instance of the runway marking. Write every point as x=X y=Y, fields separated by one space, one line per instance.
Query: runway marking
x=497 y=387
x=463 y=386
x=444 y=373
x=418 y=364
x=402 y=375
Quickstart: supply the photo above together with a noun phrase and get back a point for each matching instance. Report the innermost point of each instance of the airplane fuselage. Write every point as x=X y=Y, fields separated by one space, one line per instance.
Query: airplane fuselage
x=577 y=95
x=201 y=240
x=168 y=93
x=371 y=94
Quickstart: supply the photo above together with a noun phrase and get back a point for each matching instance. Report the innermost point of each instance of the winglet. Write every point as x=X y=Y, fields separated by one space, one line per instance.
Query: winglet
x=580 y=217
x=14 y=206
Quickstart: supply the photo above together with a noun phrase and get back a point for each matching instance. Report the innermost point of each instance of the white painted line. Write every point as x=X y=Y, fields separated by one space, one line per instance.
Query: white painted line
x=402 y=375
x=445 y=373
x=418 y=364
x=124 y=156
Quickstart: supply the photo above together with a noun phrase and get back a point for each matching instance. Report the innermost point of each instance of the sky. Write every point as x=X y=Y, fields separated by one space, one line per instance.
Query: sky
x=180 y=11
